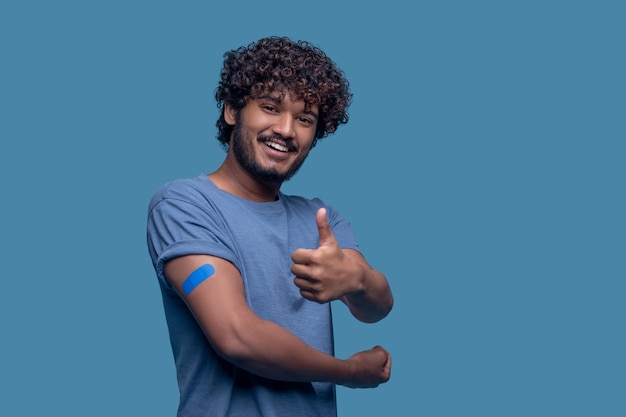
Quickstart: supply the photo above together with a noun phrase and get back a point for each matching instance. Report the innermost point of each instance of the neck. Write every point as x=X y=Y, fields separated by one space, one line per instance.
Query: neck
x=235 y=180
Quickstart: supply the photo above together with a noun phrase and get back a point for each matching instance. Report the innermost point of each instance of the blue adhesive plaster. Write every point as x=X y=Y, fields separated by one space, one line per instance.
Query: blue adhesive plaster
x=197 y=276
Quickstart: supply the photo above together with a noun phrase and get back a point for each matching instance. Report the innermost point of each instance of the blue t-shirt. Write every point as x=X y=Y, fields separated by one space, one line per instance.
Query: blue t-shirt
x=193 y=216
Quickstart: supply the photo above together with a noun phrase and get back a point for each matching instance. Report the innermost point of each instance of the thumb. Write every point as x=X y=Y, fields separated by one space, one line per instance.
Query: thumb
x=323 y=227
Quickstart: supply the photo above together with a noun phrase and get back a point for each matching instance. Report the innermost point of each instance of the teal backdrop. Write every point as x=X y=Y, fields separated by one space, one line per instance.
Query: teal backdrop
x=483 y=170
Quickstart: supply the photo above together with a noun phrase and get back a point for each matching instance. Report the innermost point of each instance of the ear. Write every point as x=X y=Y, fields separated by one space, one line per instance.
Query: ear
x=230 y=114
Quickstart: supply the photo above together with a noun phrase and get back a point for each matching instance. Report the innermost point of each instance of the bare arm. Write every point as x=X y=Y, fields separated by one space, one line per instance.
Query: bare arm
x=260 y=346
x=331 y=273
x=372 y=300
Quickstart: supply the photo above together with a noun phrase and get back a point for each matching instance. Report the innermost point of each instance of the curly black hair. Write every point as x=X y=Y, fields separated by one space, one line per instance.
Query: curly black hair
x=278 y=63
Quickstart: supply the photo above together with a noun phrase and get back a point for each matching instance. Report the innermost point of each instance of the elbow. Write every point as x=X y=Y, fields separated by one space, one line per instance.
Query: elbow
x=229 y=348
x=374 y=315
x=232 y=343
x=245 y=347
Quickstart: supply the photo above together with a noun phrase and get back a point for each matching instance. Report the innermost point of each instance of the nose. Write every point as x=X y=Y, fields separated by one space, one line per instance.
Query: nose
x=284 y=126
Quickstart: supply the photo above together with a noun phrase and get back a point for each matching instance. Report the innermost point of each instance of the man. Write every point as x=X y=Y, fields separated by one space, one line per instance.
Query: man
x=247 y=273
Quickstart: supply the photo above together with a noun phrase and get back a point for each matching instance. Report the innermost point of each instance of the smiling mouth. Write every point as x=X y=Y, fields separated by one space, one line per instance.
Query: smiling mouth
x=279 y=146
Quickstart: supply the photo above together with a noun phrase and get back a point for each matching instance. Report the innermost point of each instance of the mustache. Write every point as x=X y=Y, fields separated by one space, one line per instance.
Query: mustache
x=278 y=138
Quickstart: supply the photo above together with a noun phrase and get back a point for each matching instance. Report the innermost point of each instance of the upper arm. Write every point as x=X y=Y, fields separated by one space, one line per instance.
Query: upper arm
x=218 y=303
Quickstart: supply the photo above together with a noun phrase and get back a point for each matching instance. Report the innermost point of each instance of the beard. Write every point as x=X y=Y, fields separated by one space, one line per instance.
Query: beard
x=244 y=153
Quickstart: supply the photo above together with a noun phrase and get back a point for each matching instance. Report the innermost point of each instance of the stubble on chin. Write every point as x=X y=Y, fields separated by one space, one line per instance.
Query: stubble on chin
x=242 y=147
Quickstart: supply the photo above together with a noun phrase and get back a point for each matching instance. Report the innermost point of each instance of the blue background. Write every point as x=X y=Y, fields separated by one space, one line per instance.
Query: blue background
x=482 y=170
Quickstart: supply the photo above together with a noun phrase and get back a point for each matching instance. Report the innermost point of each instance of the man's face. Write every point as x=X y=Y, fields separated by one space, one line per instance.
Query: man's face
x=272 y=136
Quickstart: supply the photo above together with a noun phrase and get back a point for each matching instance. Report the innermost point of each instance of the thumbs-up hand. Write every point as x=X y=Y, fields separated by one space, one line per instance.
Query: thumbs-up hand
x=326 y=273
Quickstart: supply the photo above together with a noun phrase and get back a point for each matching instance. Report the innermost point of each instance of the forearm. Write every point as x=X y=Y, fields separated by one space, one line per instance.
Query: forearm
x=268 y=350
x=373 y=300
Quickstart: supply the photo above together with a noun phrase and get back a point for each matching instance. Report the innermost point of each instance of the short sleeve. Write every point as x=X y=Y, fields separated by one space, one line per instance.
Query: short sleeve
x=341 y=229
x=178 y=225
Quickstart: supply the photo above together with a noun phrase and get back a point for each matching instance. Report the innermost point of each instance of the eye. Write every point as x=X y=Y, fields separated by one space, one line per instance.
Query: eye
x=269 y=108
x=306 y=120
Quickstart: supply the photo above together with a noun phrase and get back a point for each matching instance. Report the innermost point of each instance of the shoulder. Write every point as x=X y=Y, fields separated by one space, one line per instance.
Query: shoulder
x=301 y=206
x=191 y=190
x=297 y=201
x=308 y=206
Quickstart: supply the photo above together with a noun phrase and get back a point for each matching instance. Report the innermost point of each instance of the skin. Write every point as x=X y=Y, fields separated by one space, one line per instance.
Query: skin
x=255 y=172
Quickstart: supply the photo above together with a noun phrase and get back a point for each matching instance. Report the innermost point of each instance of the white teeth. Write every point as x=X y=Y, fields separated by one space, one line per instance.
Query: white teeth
x=277 y=146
